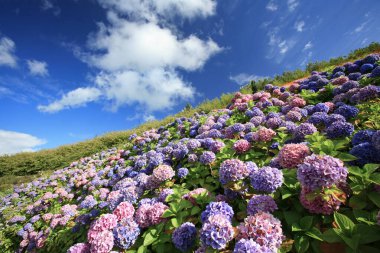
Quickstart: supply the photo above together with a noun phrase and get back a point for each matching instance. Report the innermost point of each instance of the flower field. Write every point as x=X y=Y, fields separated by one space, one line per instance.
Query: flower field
x=292 y=169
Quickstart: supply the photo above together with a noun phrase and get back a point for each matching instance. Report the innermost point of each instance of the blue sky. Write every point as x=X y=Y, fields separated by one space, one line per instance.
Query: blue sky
x=74 y=69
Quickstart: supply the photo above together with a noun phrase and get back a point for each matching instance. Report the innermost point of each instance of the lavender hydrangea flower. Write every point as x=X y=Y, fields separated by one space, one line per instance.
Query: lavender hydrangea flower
x=266 y=179
x=184 y=236
x=217 y=208
x=216 y=232
x=164 y=193
x=163 y=173
x=208 y=157
x=232 y=170
x=250 y=246
x=304 y=129
x=126 y=234
x=79 y=248
x=182 y=172
x=334 y=118
x=321 y=171
x=261 y=203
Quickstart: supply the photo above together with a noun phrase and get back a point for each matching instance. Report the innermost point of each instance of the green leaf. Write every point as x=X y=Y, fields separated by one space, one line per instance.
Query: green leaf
x=149 y=239
x=346 y=157
x=168 y=213
x=175 y=222
x=301 y=244
x=315 y=233
x=344 y=223
x=296 y=227
x=368 y=233
x=370 y=168
x=375 y=178
x=356 y=202
x=195 y=210
x=291 y=217
x=141 y=249
x=306 y=222
x=375 y=198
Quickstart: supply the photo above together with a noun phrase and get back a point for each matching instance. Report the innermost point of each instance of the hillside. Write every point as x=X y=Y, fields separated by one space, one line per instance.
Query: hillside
x=283 y=169
x=24 y=167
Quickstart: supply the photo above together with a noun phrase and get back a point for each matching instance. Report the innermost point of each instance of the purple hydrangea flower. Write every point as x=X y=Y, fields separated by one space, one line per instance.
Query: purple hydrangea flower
x=339 y=129
x=365 y=152
x=232 y=170
x=362 y=136
x=164 y=193
x=266 y=179
x=217 y=208
x=208 y=157
x=184 y=236
x=333 y=118
x=182 y=172
x=304 y=129
x=261 y=203
x=79 y=248
x=216 y=232
x=250 y=246
x=321 y=171
x=376 y=140
x=347 y=111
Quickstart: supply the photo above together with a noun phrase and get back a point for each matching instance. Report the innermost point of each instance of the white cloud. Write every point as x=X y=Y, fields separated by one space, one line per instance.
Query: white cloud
x=14 y=142
x=143 y=46
x=37 y=68
x=299 y=25
x=153 y=10
x=244 y=78
x=271 y=6
x=49 y=5
x=308 y=46
x=292 y=4
x=4 y=91
x=149 y=117
x=76 y=98
x=360 y=27
x=139 y=52
x=155 y=89
x=7 y=49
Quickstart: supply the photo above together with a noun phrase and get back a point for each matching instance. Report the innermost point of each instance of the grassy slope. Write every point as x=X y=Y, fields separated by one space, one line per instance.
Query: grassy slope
x=23 y=167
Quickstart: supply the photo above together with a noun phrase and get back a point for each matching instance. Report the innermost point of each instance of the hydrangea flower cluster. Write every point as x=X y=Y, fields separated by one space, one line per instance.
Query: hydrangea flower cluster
x=292 y=155
x=184 y=236
x=217 y=232
x=232 y=170
x=261 y=203
x=217 y=208
x=266 y=179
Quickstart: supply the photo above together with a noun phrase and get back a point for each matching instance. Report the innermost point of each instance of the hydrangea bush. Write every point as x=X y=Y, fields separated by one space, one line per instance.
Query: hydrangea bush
x=286 y=169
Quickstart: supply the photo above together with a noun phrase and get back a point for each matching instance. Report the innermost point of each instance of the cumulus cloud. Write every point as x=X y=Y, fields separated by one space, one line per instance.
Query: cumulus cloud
x=14 y=142
x=244 y=78
x=7 y=50
x=271 y=6
x=299 y=25
x=153 y=10
x=139 y=52
x=37 y=68
x=76 y=98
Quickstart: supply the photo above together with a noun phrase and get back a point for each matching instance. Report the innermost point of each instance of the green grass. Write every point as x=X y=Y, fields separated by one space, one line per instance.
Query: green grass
x=24 y=167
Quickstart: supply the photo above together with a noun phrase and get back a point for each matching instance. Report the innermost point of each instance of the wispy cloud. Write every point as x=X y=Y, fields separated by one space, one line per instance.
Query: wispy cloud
x=299 y=25
x=272 y=6
x=37 y=68
x=7 y=52
x=244 y=78
x=49 y=5
x=13 y=142
x=131 y=71
x=308 y=46
x=292 y=4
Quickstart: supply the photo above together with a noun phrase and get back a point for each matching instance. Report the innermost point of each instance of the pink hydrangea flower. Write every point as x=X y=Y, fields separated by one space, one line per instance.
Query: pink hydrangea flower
x=293 y=154
x=163 y=173
x=79 y=248
x=297 y=102
x=102 y=242
x=190 y=196
x=263 y=134
x=148 y=215
x=242 y=146
x=124 y=210
x=321 y=203
x=105 y=222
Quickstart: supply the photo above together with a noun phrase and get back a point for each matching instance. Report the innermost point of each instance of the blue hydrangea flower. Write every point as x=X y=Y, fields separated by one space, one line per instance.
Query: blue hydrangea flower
x=184 y=236
x=182 y=172
x=266 y=179
x=362 y=136
x=339 y=129
x=217 y=232
x=126 y=234
x=207 y=157
x=217 y=208
x=347 y=111
x=333 y=118
x=365 y=152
